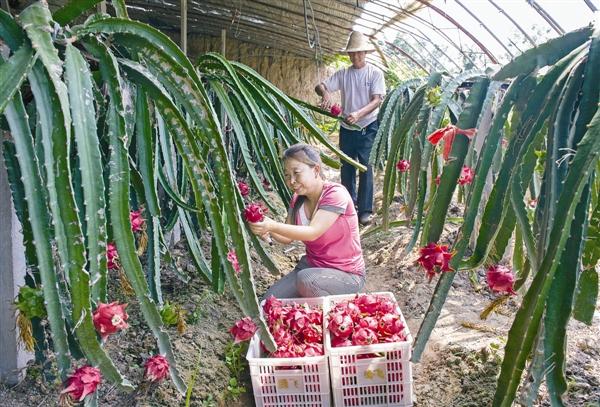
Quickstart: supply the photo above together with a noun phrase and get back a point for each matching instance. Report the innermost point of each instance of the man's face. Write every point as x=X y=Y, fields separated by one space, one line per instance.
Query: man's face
x=357 y=58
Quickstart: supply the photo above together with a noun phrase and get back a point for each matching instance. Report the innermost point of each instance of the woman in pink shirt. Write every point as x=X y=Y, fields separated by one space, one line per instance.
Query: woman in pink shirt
x=323 y=217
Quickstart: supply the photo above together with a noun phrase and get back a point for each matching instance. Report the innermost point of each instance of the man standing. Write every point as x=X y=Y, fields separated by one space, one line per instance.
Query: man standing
x=362 y=88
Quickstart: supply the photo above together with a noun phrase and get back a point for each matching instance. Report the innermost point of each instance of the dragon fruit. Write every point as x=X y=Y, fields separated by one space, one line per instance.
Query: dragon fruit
x=501 y=279
x=435 y=258
x=341 y=325
x=82 y=382
x=232 y=258
x=336 y=110
x=110 y=318
x=243 y=330
x=244 y=188
x=156 y=368
x=466 y=175
x=403 y=165
x=254 y=213
x=137 y=220
x=364 y=336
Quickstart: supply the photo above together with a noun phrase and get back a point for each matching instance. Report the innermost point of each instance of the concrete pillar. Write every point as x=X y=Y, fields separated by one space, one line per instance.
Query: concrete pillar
x=12 y=276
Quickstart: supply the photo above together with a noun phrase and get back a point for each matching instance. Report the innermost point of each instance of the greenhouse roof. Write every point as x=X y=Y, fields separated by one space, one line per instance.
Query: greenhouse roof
x=417 y=35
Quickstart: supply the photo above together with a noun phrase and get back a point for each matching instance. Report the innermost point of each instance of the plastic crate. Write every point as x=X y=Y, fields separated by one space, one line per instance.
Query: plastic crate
x=289 y=382
x=384 y=380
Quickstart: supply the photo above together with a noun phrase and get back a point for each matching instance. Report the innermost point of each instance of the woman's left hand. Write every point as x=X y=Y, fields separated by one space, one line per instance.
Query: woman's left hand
x=262 y=228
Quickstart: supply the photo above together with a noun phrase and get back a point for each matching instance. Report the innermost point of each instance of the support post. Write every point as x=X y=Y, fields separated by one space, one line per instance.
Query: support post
x=224 y=43
x=12 y=276
x=184 y=26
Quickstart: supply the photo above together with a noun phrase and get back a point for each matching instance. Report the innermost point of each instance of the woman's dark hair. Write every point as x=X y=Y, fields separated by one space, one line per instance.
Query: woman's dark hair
x=308 y=155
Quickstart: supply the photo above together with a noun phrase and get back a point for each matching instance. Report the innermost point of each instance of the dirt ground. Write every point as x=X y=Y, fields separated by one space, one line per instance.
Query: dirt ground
x=458 y=368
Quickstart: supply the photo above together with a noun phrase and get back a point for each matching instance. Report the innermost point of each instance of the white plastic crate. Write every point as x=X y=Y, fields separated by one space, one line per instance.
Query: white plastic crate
x=289 y=382
x=384 y=380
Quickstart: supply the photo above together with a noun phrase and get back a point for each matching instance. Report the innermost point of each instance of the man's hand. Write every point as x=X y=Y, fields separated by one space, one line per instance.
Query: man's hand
x=326 y=101
x=353 y=117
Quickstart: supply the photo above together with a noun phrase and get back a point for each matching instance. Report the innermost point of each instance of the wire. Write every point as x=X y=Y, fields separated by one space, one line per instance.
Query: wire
x=314 y=41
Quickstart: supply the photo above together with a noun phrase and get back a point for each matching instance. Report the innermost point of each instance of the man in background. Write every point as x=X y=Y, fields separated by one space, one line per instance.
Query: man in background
x=362 y=88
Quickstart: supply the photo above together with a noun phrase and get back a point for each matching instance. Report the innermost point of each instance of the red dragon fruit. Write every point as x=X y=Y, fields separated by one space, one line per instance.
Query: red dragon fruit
x=243 y=330
x=390 y=324
x=156 y=368
x=501 y=279
x=112 y=257
x=367 y=303
x=435 y=258
x=110 y=318
x=364 y=336
x=232 y=258
x=244 y=188
x=466 y=175
x=341 y=325
x=368 y=322
x=137 y=220
x=336 y=110
x=403 y=165
x=82 y=382
x=254 y=213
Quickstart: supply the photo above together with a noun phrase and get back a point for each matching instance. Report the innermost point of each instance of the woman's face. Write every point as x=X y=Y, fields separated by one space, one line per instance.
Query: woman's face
x=300 y=177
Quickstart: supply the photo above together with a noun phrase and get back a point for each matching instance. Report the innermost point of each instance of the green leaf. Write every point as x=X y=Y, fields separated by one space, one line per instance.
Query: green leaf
x=72 y=10
x=79 y=81
x=468 y=119
x=14 y=72
x=560 y=302
x=40 y=221
x=546 y=54
x=37 y=21
x=586 y=296
x=119 y=207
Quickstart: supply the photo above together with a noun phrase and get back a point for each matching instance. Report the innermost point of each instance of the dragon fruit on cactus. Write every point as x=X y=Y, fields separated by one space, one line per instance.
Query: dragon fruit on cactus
x=434 y=258
x=501 y=279
x=466 y=175
x=137 y=220
x=243 y=330
x=232 y=258
x=244 y=188
x=403 y=165
x=254 y=213
x=82 y=382
x=156 y=368
x=110 y=318
x=112 y=257
x=336 y=110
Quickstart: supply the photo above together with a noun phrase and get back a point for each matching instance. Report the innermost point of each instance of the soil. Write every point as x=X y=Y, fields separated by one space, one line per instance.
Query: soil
x=458 y=368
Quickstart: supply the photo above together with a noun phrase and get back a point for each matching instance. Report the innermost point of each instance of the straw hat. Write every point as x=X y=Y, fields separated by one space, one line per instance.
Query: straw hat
x=358 y=42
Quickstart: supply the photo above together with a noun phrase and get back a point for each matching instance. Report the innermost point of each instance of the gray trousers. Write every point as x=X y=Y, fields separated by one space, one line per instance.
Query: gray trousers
x=307 y=281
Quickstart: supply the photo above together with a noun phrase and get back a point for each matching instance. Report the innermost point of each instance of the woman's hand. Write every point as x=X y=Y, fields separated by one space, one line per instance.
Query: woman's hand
x=262 y=228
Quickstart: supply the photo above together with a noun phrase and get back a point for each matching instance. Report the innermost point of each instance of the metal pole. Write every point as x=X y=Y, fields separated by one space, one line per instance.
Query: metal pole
x=184 y=26
x=224 y=43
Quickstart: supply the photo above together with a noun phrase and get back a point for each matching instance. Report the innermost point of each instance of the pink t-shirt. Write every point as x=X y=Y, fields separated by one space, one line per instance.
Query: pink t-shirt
x=339 y=247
